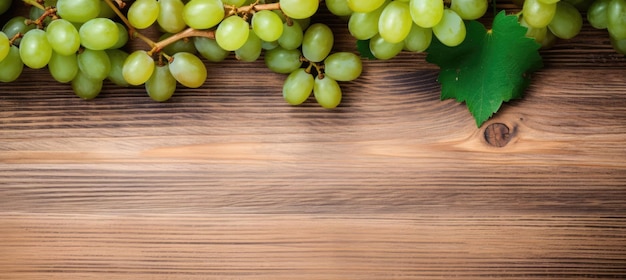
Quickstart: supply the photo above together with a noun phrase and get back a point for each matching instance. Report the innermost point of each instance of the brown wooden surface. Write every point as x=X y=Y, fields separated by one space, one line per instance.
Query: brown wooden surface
x=229 y=182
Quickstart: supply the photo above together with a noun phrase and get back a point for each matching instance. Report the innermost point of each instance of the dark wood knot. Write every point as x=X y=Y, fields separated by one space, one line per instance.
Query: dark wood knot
x=497 y=134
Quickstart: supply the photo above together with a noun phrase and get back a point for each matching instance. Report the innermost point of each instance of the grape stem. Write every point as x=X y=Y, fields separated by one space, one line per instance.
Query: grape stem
x=47 y=12
x=189 y=32
x=15 y=37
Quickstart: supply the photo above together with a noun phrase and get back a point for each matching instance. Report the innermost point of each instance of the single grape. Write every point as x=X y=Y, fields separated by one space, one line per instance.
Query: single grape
x=327 y=92
x=105 y=10
x=161 y=85
x=395 y=22
x=117 y=58
x=170 y=17
x=597 y=14
x=11 y=66
x=538 y=14
x=269 y=45
x=99 y=34
x=188 y=70
x=619 y=45
x=363 y=26
x=361 y=6
x=426 y=13
x=232 y=33
x=78 y=10
x=138 y=67
x=339 y=7
x=95 y=64
x=451 y=29
x=122 y=37
x=181 y=45
x=567 y=21
x=419 y=38
x=143 y=13
x=203 y=14
x=299 y=9
x=4 y=6
x=267 y=25
x=317 y=42
x=298 y=86
x=5 y=46
x=383 y=50
x=470 y=9
x=209 y=49
x=539 y=34
x=16 y=25
x=616 y=20
x=35 y=50
x=63 y=68
x=85 y=87
x=283 y=61
x=251 y=50
x=292 y=36
x=63 y=37
x=343 y=66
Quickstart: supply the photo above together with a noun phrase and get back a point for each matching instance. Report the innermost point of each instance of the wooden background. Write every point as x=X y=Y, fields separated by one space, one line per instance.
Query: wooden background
x=229 y=182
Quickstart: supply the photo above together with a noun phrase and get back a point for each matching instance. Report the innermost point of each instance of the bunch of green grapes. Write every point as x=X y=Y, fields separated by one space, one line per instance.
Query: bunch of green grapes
x=392 y=26
x=610 y=15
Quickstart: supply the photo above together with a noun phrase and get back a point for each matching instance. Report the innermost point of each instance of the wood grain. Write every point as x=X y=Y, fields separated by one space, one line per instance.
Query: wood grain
x=228 y=182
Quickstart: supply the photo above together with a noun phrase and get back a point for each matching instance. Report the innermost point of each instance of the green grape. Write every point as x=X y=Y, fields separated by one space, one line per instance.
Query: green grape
x=161 y=85
x=426 y=13
x=63 y=68
x=539 y=34
x=267 y=25
x=105 y=10
x=616 y=20
x=269 y=45
x=209 y=49
x=619 y=45
x=343 y=66
x=203 y=14
x=4 y=6
x=327 y=92
x=236 y=3
x=567 y=21
x=382 y=49
x=538 y=14
x=188 y=70
x=122 y=37
x=395 y=22
x=470 y=9
x=451 y=29
x=299 y=9
x=419 y=38
x=339 y=7
x=117 y=58
x=63 y=37
x=11 y=66
x=85 y=87
x=549 y=40
x=138 y=67
x=298 y=86
x=99 y=34
x=304 y=22
x=251 y=50
x=549 y=1
x=78 y=10
x=283 y=61
x=317 y=42
x=16 y=25
x=232 y=33
x=5 y=46
x=35 y=50
x=170 y=17
x=95 y=64
x=181 y=45
x=362 y=6
x=143 y=13
x=597 y=14
x=363 y=26
x=292 y=36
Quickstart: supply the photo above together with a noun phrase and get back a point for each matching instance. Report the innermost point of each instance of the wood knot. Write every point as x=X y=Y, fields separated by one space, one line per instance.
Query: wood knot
x=497 y=134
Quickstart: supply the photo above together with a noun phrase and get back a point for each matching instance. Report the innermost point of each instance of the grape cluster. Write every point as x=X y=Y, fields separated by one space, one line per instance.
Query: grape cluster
x=610 y=15
x=81 y=42
x=392 y=26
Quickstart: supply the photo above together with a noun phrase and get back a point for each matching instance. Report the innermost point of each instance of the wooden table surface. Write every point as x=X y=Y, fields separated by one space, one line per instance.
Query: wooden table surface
x=228 y=182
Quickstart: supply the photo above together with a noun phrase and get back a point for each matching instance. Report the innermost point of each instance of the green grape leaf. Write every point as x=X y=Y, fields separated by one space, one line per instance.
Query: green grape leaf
x=363 y=47
x=489 y=67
